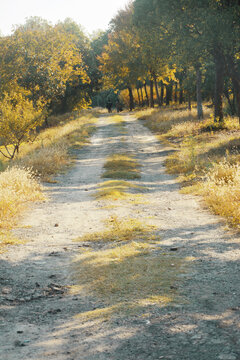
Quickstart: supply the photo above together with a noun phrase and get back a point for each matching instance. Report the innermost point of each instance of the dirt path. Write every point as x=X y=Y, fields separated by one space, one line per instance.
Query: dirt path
x=39 y=316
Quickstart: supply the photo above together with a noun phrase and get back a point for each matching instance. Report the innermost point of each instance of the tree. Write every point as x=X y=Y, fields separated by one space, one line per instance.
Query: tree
x=201 y=31
x=41 y=59
x=121 y=58
x=19 y=119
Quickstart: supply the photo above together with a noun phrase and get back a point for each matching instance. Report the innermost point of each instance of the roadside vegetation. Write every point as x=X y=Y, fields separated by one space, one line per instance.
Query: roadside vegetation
x=50 y=153
x=206 y=156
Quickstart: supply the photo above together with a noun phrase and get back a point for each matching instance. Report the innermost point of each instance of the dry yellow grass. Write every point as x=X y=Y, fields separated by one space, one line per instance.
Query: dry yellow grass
x=116 y=190
x=130 y=272
x=48 y=154
x=46 y=161
x=17 y=188
x=203 y=150
x=120 y=230
x=121 y=166
x=221 y=191
x=6 y=239
x=43 y=158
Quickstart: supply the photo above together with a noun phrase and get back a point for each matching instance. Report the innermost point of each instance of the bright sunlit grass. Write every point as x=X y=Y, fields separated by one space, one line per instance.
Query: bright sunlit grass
x=221 y=191
x=116 y=190
x=120 y=230
x=45 y=157
x=7 y=238
x=17 y=188
x=130 y=272
x=48 y=154
x=121 y=166
x=204 y=149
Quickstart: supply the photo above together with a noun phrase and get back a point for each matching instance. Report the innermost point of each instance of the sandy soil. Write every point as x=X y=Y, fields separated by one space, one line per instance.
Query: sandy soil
x=38 y=314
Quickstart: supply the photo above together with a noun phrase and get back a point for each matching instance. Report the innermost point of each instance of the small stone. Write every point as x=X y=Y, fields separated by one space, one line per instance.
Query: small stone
x=54 y=311
x=6 y=290
x=54 y=253
x=56 y=225
x=52 y=276
x=19 y=343
x=216 y=341
x=227 y=357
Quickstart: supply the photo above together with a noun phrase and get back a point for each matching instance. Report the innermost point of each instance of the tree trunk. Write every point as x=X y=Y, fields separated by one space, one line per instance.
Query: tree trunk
x=162 y=92
x=168 y=94
x=199 y=92
x=139 y=100
x=171 y=92
x=151 y=94
x=235 y=77
x=219 y=85
x=146 y=93
x=176 y=93
x=181 y=93
x=236 y=86
x=142 y=100
x=156 y=88
x=189 y=102
x=230 y=103
x=131 y=100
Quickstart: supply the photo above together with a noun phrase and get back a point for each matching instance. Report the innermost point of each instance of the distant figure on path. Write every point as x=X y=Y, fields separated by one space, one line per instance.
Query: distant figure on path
x=118 y=106
x=109 y=105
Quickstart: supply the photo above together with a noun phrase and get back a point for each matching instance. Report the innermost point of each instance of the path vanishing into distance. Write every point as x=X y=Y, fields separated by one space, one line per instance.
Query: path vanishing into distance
x=170 y=292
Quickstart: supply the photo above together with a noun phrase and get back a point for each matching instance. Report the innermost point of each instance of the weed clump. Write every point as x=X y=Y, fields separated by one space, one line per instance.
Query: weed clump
x=18 y=187
x=221 y=191
x=121 y=166
x=120 y=230
x=115 y=190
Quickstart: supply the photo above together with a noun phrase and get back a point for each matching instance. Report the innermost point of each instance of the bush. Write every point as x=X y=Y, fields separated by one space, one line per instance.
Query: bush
x=17 y=187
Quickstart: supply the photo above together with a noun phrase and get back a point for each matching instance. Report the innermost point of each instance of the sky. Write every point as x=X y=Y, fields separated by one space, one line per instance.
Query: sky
x=91 y=14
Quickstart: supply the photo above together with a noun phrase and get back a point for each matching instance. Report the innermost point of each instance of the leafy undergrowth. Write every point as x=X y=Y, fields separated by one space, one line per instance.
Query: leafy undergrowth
x=17 y=188
x=206 y=156
x=125 y=268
